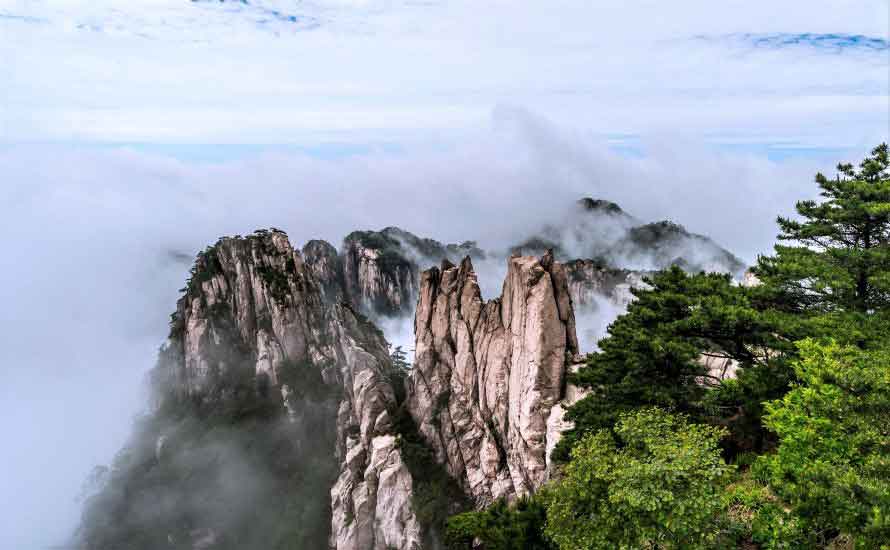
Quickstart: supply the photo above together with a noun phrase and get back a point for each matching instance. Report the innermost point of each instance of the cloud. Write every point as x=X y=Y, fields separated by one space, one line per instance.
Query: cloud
x=380 y=72
x=822 y=42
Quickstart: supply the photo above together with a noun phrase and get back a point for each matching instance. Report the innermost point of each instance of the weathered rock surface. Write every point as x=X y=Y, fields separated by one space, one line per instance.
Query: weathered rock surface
x=556 y=421
x=381 y=268
x=256 y=305
x=325 y=263
x=377 y=276
x=487 y=374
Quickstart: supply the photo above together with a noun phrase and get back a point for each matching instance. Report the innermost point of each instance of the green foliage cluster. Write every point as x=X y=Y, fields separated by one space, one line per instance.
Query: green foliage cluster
x=805 y=421
x=653 y=355
x=841 y=257
x=397 y=373
x=652 y=482
x=833 y=465
x=501 y=526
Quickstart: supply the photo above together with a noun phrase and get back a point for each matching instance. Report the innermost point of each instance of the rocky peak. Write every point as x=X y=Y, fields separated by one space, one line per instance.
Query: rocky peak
x=255 y=308
x=486 y=374
x=601 y=206
x=325 y=263
x=381 y=268
x=378 y=276
x=591 y=279
x=250 y=305
x=602 y=231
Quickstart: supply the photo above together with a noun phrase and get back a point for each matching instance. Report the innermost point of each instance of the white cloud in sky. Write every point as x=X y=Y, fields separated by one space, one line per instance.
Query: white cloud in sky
x=371 y=71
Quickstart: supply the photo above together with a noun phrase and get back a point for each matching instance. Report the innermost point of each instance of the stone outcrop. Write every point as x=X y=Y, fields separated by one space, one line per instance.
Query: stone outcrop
x=255 y=307
x=487 y=374
x=557 y=424
x=323 y=260
x=378 y=278
x=381 y=269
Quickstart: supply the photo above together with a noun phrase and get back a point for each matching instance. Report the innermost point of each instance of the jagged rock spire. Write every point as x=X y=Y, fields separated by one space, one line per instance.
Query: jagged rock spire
x=486 y=374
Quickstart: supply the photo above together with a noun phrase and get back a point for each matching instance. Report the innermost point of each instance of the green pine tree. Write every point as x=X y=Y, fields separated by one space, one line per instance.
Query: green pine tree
x=840 y=259
x=654 y=354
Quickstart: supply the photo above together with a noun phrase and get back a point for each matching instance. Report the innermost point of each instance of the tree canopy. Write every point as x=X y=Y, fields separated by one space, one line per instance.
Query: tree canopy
x=654 y=483
x=667 y=350
x=832 y=466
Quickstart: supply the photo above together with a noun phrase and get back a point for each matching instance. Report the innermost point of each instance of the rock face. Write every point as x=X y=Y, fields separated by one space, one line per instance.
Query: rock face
x=377 y=277
x=381 y=268
x=487 y=374
x=257 y=305
x=326 y=265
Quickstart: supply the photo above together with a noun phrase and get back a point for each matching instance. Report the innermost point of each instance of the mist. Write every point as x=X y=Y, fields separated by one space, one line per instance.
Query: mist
x=99 y=240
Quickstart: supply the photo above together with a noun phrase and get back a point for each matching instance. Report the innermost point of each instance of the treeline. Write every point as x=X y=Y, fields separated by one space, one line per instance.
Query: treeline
x=792 y=450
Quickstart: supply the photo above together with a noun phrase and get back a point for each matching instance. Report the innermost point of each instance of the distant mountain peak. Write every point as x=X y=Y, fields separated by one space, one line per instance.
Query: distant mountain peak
x=600 y=205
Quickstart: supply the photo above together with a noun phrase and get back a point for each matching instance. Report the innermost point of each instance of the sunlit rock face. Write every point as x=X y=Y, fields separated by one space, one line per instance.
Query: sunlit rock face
x=487 y=374
x=251 y=303
x=257 y=305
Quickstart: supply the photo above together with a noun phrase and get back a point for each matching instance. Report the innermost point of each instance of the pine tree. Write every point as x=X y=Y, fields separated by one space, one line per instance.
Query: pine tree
x=655 y=353
x=841 y=259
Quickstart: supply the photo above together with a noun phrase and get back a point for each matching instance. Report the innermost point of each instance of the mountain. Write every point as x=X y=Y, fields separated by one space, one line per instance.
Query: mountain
x=381 y=268
x=604 y=248
x=280 y=419
x=598 y=229
x=266 y=395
